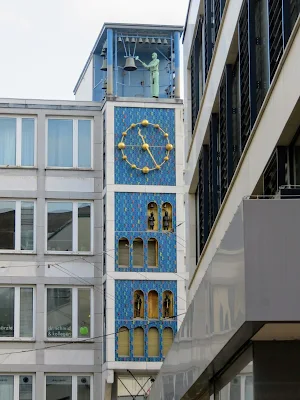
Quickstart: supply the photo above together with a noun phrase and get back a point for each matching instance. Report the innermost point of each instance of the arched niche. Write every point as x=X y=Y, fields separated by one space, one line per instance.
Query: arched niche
x=168 y=304
x=138 y=304
x=123 y=342
x=138 y=342
x=123 y=253
x=152 y=253
x=138 y=253
x=153 y=304
x=167 y=217
x=167 y=340
x=152 y=216
x=153 y=342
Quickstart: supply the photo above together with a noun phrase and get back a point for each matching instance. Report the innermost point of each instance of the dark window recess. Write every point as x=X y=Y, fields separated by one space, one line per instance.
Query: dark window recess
x=294 y=11
x=218 y=11
x=223 y=140
x=236 y=121
x=208 y=28
x=213 y=197
x=275 y=174
x=244 y=75
x=275 y=35
x=202 y=206
x=195 y=76
x=104 y=151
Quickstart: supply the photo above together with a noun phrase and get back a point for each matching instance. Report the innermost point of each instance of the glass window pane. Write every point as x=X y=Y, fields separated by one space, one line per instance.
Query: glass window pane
x=84 y=143
x=249 y=388
x=59 y=313
x=27 y=158
x=25 y=388
x=7 y=387
x=60 y=226
x=84 y=313
x=58 y=388
x=27 y=215
x=7 y=305
x=8 y=141
x=26 y=312
x=60 y=143
x=7 y=225
x=235 y=388
x=84 y=227
x=83 y=387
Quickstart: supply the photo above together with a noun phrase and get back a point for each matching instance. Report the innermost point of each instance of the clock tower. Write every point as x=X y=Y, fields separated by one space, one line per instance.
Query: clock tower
x=135 y=74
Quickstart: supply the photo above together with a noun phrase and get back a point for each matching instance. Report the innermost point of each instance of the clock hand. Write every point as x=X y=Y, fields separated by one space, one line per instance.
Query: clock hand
x=139 y=133
x=153 y=159
x=151 y=156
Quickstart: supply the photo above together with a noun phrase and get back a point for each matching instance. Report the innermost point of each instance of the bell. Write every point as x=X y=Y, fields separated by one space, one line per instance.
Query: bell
x=133 y=40
x=104 y=65
x=127 y=39
x=140 y=40
x=130 y=64
x=165 y=42
x=158 y=41
x=147 y=40
x=103 y=54
x=119 y=39
x=104 y=85
x=153 y=41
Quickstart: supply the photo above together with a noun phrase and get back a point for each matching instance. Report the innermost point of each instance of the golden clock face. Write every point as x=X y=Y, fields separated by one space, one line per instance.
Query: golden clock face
x=153 y=164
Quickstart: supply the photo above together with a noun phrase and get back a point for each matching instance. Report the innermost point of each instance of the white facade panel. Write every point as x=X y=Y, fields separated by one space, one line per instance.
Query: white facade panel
x=59 y=184
x=85 y=89
x=9 y=182
x=69 y=357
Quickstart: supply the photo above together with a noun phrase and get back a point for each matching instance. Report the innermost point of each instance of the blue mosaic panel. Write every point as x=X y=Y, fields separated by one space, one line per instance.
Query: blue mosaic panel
x=131 y=222
x=124 y=174
x=124 y=313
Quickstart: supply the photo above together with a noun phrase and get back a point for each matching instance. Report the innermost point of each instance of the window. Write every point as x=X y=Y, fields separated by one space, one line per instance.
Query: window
x=153 y=343
x=17 y=137
x=69 y=227
x=138 y=342
x=69 y=313
x=70 y=143
x=66 y=387
x=152 y=216
x=138 y=253
x=123 y=255
x=16 y=312
x=17 y=225
x=123 y=342
x=152 y=253
x=153 y=304
x=167 y=340
x=138 y=299
x=13 y=387
x=168 y=304
x=167 y=217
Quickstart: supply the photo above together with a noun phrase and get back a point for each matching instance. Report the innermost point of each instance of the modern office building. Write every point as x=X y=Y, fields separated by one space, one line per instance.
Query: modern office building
x=240 y=337
x=92 y=278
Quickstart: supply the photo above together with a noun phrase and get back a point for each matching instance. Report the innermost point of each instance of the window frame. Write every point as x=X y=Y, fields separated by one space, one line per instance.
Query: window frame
x=74 y=383
x=17 y=383
x=18 y=204
x=74 y=227
x=75 y=327
x=17 y=315
x=75 y=142
x=18 y=148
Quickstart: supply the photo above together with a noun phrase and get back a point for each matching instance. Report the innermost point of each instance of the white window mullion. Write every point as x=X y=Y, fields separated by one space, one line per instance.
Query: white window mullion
x=34 y=312
x=92 y=226
x=19 y=142
x=17 y=313
x=16 y=387
x=75 y=313
x=92 y=313
x=75 y=143
x=243 y=387
x=74 y=387
x=18 y=226
x=75 y=226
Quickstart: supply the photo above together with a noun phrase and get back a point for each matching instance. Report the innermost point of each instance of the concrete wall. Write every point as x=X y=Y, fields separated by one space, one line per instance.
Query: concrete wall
x=85 y=89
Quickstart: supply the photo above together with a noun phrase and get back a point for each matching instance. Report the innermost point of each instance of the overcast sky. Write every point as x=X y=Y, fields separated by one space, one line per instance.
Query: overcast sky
x=45 y=43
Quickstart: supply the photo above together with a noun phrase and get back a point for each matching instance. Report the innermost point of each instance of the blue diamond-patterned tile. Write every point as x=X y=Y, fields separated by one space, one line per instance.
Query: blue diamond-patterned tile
x=124 y=174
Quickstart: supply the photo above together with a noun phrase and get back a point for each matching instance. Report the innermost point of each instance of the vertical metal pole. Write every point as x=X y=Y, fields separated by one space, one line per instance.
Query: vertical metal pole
x=110 y=79
x=116 y=66
x=252 y=61
x=229 y=122
x=177 y=64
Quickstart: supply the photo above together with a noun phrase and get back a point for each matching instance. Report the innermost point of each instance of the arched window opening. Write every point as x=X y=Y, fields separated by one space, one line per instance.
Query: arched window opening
x=123 y=253
x=153 y=343
x=123 y=342
x=138 y=253
x=153 y=305
x=152 y=253
x=152 y=220
x=167 y=340
x=167 y=217
x=138 y=301
x=138 y=342
x=168 y=304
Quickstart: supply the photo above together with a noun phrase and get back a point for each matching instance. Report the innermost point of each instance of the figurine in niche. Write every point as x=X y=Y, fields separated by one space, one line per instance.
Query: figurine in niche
x=153 y=66
x=167 y=305
x=166 y=221
x=138 y=305
x=151 y=221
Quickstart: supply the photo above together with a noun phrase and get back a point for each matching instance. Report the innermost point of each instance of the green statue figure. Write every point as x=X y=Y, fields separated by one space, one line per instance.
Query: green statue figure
x=153 y=66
